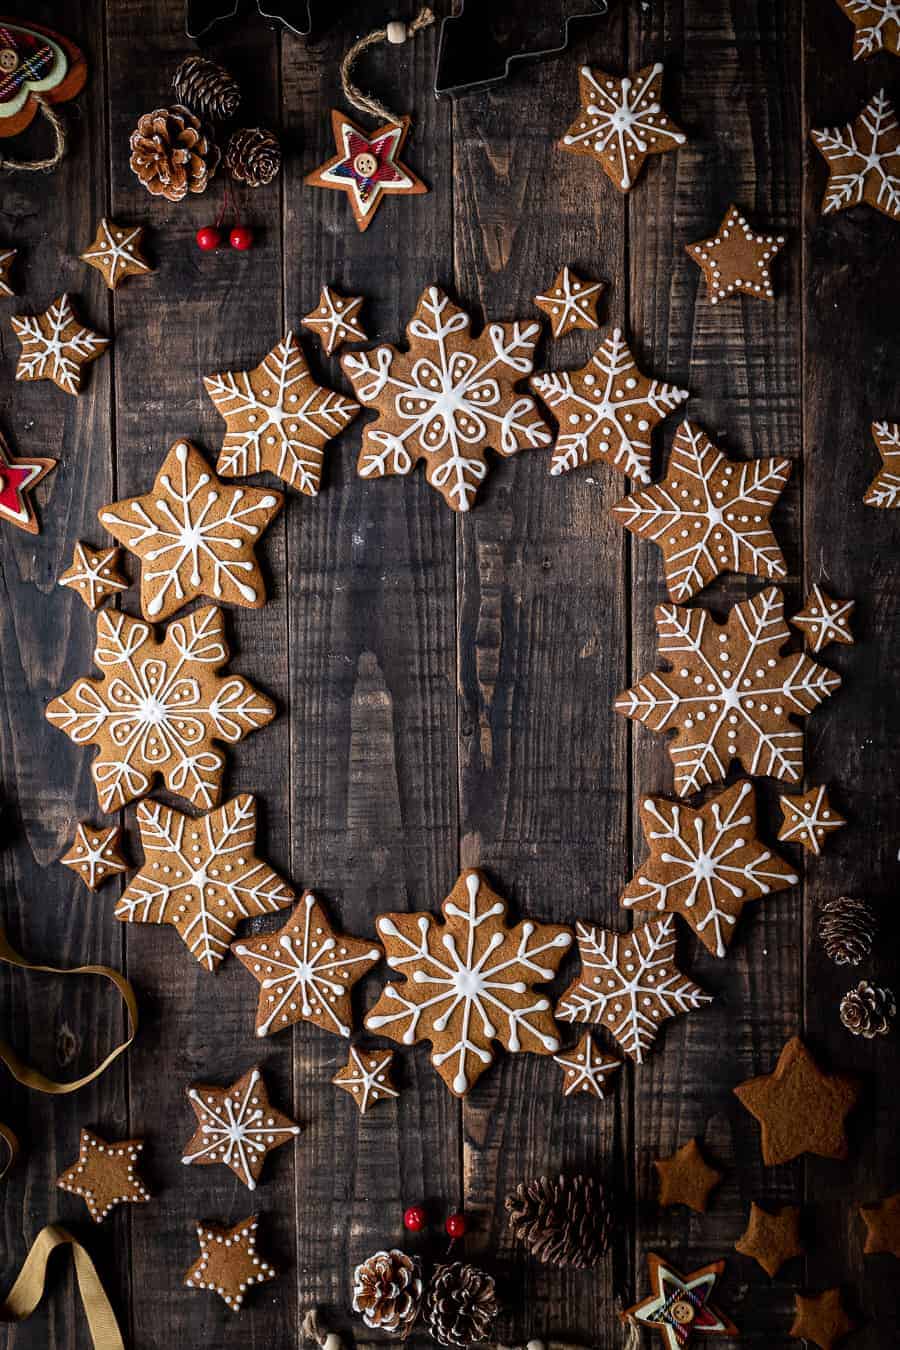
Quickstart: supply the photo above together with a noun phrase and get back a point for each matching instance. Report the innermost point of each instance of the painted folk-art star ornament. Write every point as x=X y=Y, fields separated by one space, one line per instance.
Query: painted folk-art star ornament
x=876 y=26
x=706 y=864
x=7 y=258
x=367 y=166
x=680 y=1307
x=335 y=319
x=737 y=259
x=821 y=1319
x=570 y=302
x=194 y=535
x=808 y=819
x=622 y=122
x=606 y=411
x=277 y=419
x=823 y=620
x=884 y=489
x=95 y=854
x=228 y=1263
x=236 y=1126
x=56 y=346
x=709 y=514
x=800 y=1107
x=306 y=970
x=116 y=252
x=586 y=1069
x=863 y=160
x=38 y=66
x=19 y=476
x=94 y=574
x=105 y=1175
x=367 y=1077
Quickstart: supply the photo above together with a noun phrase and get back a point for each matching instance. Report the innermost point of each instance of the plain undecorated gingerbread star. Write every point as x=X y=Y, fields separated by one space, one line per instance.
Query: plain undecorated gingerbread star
x=228 y=1263
x=823 y=620
x=737 y=258
x=56 y=346
x=95 y=854
x=7 y=258
x=570 y=302
x=771 y=1237
x=622 y=122
x=116 y=252
x=19 y=476
x=884 y=489
x=105 y=1174
x=335 y=320
x=863 y=160
x=686 y=1178
x=821 y=1319
x=94 y=574
x=367 y=1077
x=800 y=1107
x=586 y=1069
x=882 y=1222
x=237 y=1126
x=808 y=818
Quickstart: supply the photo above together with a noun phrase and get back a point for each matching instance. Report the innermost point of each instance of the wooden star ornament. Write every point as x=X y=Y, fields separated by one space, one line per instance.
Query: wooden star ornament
x=823 y=620
x=228 y=1263
x=105 y=1175
x=680 y=1307
x=94 y=574
x=586 y=1069
x=771 y=1238
x=800 y=1107
x=367 y=166
x=808 y=818
x=7 y=258
x=570 y=302
x=18 y=479
x=236 y=1126
x=334 y=319
x=882 y=1222
x=821 y=1319
x=736 y=259
x=116 y=252
x=367 y=1077
x=95 y=854
x=686 y=1178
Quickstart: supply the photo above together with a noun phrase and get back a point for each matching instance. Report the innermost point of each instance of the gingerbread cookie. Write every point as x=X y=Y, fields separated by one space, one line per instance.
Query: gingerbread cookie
x=7 y=258
x=367 y=166
x=367 y=1077
x=201 y=875
x=306 y=970
x=95 y=854
x=808 y=819
x=94 y=574
x=800 y=1107
x=18 y=479
x=863 y=160
x=876 y=24
x=709 y=514
x=447 y=399
x=570 y=302
x=55 y=346
x=105 y=1175
x=706 y=864
x=771 y=1238
x=821 y=1319
x=469 y=982
x=159 y=707
x=730 y=694
x=823 y=620
x=629 y=984
x=884 y=489
x=586 y=1068
x=334 y=319
x=686 y=1178
x=116 y=252
x=882 y=1222
x=236 y=1126
x=277 y=419
x=228 y=1263
x=736 y=259
x=622 y=122
x=606 y=410
x=680 y=1306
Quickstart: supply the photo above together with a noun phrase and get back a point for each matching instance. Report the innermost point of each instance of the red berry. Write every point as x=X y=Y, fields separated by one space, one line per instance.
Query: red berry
x=241 y=238
x=208 y=238
x=456 y=1225
x=414 y=1218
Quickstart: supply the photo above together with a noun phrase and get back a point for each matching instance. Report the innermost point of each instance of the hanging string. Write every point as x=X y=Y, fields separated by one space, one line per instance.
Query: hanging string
x=41 y=165
x=396 y=33
x=31 y=1282
x=313 y=1328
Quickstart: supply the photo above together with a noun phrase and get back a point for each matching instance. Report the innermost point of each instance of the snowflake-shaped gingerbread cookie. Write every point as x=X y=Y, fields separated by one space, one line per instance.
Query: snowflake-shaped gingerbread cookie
x=863 y=160
x=730 y=693
x=7 y=258
x=884 y=489
x=448 y=399
x=56 y=346
x=622 y=122
x=158 y=708
x=876 y=24
x=469 y=982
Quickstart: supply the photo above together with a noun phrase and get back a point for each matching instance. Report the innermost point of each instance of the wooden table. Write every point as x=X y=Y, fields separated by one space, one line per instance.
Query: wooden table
x=445 y=683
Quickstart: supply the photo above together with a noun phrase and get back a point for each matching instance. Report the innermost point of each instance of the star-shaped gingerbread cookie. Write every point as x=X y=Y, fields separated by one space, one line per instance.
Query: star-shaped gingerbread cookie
x=56 y=346
x=228 y=1263
x=570 y=302
x=95 y=854
x=808 y=818
x=863 y=160
x=876 y=26
x=585 y=1068
x=277 y=419
x=884 y=489
x=116 y=252
x=94 y=574
x=334 y=319
x=686 y=1178
x=771 y=1238
x=105 y=1174
x=194 y=535
x=622 y=122
x=882 y=1222
x=367 y=166
x=823 y=620
x=7 y=258
x=236 y=1126
x=367 y=1077
x=18 y=479
x=800 y=1107
x=821 y=1319
x=737 y=258
x=680 y=1306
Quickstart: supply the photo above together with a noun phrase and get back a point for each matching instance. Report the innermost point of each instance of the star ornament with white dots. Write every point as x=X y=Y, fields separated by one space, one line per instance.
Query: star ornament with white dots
x=586 y=1069
x=823 y=620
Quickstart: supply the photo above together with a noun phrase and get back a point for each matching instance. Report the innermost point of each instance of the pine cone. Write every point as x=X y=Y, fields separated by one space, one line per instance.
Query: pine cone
x=868 y=1010
x=563 y=1222
x=847 y=928
x=387 y=1290
x=171 y=153
x=207 y=88
x=460 y=1305
x=253 y=156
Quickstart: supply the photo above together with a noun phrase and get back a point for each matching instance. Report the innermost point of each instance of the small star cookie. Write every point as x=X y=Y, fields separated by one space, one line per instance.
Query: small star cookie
x=686 y=1178
x=367 y=166
x=771 y=1238
x=800 y=1107
x=680 y=1306
x=622 y=122
x=884 y=489
x=228 y=1263
x=808 y=818
x=105 y=1175
x=7 y=258
x=18 y=479
x=95 y=854
x=236 y=1126
x=876 y=26
x=823 y=620
x=863 y=160
x=56 y=346
x=821 y=1319
x=367 y=1077
x=882 y=1222
x=736 y=259
x=94 y=574
x=586 y=1069
x=334 y=319
x=570 y=302
x=116 y=252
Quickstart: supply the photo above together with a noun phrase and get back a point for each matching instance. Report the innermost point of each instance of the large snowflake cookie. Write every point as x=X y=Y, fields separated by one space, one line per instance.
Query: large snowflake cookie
x=629 y=983
x=56 y=346
x=277 y=419
x=236 y=1126
x=884 y=489
x=306 y=970
x=863 y=159
x=606 y=410
x=706 y=864
x=201 y=875
x=876 y=24
x=158 y=708
x=730 y=693
x=709 y=514
x=447 y=399
x=622 y=122
x=469 y=982
x=194 y=535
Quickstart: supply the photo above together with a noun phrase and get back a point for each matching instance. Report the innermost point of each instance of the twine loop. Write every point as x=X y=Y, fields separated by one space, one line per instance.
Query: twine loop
x=396 y=33
x=60 y=136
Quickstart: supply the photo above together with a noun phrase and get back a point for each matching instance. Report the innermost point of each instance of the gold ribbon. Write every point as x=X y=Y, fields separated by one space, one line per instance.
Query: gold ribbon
x=28 y=1289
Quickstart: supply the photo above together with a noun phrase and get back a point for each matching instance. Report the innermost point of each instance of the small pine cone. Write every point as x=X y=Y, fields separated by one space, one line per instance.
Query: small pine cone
x=253 y=156
x=562 y=1222
x=207 y=88
x=460 y=1305
x=868 y=1010
x=847 y=928
x=172 y=154
x=387 y=1290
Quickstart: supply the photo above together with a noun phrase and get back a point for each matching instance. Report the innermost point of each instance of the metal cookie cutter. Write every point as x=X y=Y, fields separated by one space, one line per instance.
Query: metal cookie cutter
x=202 y=15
